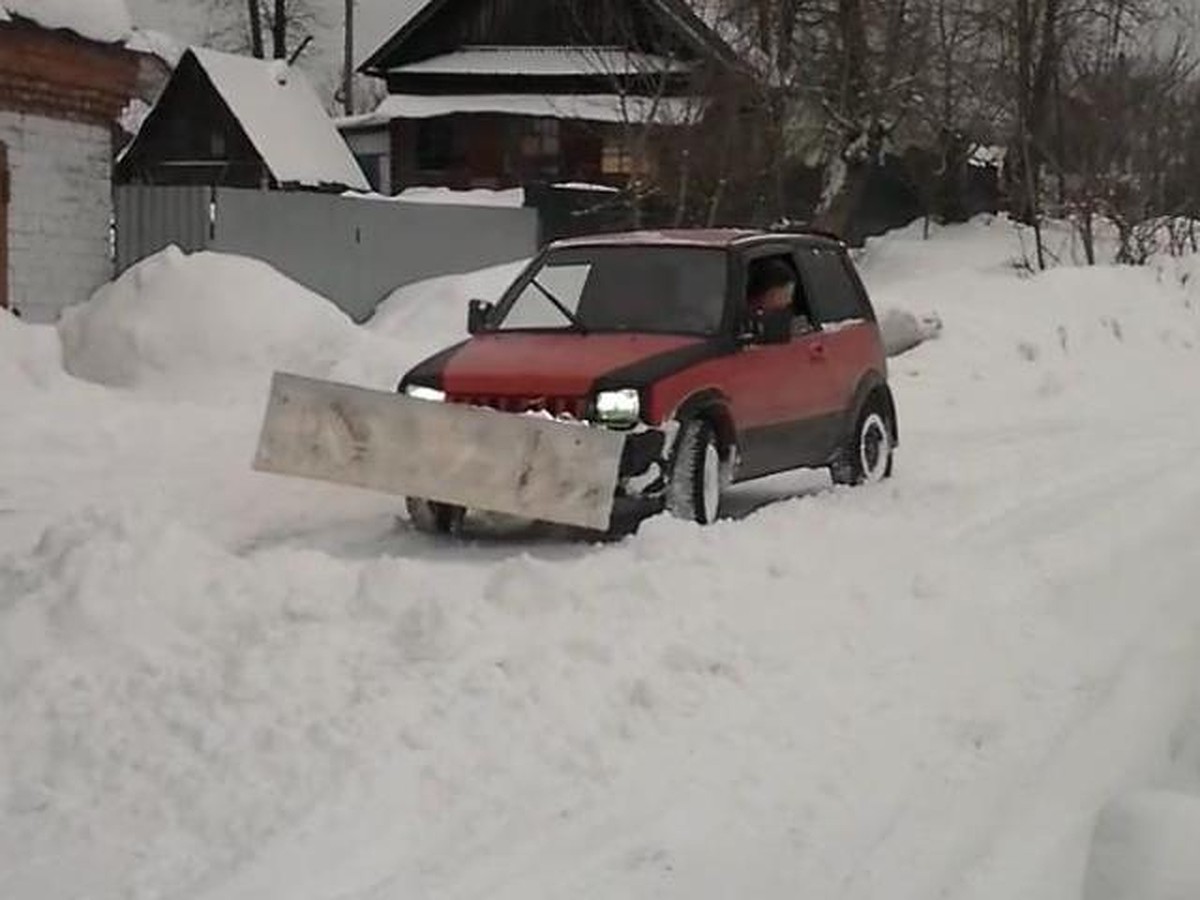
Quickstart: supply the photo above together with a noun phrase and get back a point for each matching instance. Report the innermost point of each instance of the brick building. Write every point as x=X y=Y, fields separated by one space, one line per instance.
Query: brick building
x=60 y=95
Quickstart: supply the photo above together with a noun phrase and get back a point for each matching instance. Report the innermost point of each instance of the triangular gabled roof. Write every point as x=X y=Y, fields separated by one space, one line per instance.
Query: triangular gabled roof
x=691 y=26
x=281 y=116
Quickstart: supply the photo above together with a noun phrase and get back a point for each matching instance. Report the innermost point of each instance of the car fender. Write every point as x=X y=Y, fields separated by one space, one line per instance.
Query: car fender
x=714 y=404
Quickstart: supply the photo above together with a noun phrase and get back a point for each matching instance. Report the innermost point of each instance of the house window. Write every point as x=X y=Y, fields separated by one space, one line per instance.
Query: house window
x=615 y=158
x=540 y=143
x=435 y=145
x=216 y=145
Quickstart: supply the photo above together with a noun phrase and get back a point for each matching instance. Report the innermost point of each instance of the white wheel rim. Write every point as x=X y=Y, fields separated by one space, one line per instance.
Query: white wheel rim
x=874 y=448
x=712 y=483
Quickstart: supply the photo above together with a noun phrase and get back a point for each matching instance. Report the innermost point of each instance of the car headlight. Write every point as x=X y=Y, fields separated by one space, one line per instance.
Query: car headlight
x=623 y=407
x=420 y=392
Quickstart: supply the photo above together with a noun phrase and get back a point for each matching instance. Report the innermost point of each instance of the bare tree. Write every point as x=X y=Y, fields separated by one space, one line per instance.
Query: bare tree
x=242 y=27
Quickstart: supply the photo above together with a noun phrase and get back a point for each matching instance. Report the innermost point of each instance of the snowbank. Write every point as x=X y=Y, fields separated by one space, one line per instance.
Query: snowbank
x=902 y=331
x=434 y=313
x=106 y=21
x=29 y=355
x=202 y=325
x=478 y=197
x=1145 y=848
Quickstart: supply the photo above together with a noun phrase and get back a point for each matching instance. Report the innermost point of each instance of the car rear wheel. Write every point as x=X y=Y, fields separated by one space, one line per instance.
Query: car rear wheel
x=694 y=490
x=868 y=455
x=435 y=518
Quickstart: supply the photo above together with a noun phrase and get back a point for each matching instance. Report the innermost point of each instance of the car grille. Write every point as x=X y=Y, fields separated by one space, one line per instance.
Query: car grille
x=575 y=407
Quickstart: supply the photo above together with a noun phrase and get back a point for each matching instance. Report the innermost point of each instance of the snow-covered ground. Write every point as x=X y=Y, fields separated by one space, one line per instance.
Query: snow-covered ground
x=217 y=684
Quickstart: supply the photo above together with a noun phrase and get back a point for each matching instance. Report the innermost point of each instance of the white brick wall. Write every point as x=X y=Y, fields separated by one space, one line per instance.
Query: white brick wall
x=59 y=213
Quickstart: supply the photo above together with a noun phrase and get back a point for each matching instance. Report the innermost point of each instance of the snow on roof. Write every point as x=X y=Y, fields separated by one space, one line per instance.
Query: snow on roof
x=280 y=113
x=157 y=43
x=586 y=107
x=104 y=21
x=488 y=60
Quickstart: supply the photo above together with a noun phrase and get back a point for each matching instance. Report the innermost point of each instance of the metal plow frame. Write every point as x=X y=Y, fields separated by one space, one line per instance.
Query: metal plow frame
x=521 y=465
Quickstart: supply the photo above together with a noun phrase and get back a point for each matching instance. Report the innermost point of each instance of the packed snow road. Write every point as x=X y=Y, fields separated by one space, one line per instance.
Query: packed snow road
x=218 y=685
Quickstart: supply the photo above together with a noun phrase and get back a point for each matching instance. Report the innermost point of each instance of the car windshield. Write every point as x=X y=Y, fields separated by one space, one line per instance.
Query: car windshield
x=677 y=290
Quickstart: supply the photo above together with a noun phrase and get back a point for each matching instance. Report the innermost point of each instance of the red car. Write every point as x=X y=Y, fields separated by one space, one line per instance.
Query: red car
x=726 y=355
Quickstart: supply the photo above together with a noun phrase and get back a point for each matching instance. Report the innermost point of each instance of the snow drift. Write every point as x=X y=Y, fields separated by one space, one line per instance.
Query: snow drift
x=201 y=325
x=29 y=356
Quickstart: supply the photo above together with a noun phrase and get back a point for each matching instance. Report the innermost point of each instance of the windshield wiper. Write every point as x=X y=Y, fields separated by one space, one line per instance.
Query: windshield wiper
x=560 y=306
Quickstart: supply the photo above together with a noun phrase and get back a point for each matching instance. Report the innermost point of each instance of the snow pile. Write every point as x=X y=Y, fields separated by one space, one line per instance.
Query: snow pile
x=106 y=21
x=507 y=199
x=902 y=331
x=202 y=325
x=434 y=313
x=1145 y=849
x=29 y=355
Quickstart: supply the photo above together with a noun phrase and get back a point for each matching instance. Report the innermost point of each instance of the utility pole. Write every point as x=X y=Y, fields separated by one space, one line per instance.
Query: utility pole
x=348 y=64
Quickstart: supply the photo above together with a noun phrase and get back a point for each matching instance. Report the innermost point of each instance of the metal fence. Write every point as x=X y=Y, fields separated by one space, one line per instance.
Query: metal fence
x=353 y=250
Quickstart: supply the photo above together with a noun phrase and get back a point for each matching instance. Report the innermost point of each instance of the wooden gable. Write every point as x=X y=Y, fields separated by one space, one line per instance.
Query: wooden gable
x=192 y=137
x=664 y=27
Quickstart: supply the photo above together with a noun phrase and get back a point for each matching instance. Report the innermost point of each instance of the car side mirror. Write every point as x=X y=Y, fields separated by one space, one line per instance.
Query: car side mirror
x=478 y=314
x=773 y=326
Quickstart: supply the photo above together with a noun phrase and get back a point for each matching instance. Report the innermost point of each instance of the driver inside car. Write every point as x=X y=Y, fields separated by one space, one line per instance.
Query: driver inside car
x=771 y=286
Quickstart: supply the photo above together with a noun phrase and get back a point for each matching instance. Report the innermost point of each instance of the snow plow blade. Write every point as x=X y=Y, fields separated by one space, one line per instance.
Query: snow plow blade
x=521 y=465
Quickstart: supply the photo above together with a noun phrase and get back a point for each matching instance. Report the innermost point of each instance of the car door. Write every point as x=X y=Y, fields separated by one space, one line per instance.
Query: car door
x=837 y=300
x=782 y=394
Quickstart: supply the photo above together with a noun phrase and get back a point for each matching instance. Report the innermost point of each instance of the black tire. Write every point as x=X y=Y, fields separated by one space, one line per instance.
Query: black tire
x=435 y=518
x=694 y=488
x=868 y=455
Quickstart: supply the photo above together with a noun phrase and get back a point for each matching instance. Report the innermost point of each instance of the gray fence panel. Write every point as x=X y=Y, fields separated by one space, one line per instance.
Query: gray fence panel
x=151 y=218
x=357 y=251
x=352 y=250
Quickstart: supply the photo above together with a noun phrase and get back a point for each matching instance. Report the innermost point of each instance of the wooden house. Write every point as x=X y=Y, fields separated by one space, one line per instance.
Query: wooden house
x=502 y=93
x=234 y=121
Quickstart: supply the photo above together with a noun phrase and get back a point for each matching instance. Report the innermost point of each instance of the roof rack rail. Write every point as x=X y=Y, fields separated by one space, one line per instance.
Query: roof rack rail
x=791 y=227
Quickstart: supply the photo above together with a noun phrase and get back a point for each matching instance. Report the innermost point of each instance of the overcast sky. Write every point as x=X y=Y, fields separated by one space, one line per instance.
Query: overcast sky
x=188 y=21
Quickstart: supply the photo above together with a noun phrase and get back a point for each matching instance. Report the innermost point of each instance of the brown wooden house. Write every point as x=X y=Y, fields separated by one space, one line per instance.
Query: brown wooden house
x=504 y=93
x=234 y=121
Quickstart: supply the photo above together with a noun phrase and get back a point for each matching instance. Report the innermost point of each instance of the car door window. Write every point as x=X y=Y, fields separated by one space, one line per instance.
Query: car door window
x=832 y=292
x=763 y=277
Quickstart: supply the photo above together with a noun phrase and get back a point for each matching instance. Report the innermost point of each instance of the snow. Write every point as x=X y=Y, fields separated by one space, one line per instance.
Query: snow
x=513 y=198
x=586 y=186
x=105 y=21
x=283 y=118
x=1145 y=849
x=167 y=48
x=586 y=107
x=203 y=326
x=549 y=61
x=436 y=310
x=219 y=684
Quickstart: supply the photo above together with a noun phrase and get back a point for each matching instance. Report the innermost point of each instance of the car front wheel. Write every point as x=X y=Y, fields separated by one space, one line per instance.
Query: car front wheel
x=694 y=490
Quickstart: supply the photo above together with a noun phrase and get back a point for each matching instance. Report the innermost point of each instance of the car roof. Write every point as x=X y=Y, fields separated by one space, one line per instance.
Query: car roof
x=692 y=237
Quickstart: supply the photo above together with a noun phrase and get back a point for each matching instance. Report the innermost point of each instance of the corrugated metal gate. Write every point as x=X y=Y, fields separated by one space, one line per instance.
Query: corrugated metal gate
x=353 y=250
